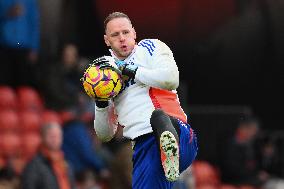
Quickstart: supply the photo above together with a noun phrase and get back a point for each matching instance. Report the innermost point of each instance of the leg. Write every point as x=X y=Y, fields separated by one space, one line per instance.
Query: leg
x=147 y=168
x=168 y=140
x=188 y=145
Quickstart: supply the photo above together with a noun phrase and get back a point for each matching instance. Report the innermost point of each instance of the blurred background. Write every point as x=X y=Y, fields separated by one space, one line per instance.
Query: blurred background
x=230 y=55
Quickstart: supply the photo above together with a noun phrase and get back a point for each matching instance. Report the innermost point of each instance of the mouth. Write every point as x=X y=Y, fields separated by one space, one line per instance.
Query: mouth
x=124 y=47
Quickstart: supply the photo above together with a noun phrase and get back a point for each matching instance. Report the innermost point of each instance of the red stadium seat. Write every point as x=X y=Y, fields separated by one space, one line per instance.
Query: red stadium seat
x=30 y=143
x=8 y=98
x=29 y=99
x=30 y=121
x=8 y=121
x=50 y=116
x=87 y=117
x=17 y=164
x=205 y=174
x=227 y=186
x=246 y=187
x=9 y=144
x=207 y=186
x=2 y=162
x=67 y=115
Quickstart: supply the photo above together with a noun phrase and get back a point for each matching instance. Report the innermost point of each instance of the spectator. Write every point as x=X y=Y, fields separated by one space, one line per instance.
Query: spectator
x=19 y=41
x=241 y=165
x=62 y=86
x=121 y=167
x=270 y=159
x=48 y=169
x=80 y=150
x=87 y=180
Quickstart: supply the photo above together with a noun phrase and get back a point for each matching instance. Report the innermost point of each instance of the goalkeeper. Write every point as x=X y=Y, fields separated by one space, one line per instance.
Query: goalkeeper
x=147 y=107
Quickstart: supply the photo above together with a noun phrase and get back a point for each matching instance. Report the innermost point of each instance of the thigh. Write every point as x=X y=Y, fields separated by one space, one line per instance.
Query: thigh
x=147 y=168
x=188 y=145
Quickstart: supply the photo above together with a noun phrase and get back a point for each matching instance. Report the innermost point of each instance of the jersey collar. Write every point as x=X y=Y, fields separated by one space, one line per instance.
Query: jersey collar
x=114 y=56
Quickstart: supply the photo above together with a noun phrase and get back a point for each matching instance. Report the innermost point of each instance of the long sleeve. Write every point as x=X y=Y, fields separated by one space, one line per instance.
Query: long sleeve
x=3 y=11
x=105 y=122
x=164 y=72
x=33 y=17
x=20 y=31
x=30 y=177
x=83 y=147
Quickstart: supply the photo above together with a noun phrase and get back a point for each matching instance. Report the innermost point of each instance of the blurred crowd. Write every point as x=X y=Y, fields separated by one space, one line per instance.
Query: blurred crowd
x=47 y=139
x=46 y=121
x=42 y=147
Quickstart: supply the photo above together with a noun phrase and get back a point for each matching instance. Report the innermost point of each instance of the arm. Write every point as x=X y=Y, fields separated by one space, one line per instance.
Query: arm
x=164 y=72
x=105 y=122
x=33 y=16
x=3 y=11
x=161 y=70
x=30 y=177
x=85 y=147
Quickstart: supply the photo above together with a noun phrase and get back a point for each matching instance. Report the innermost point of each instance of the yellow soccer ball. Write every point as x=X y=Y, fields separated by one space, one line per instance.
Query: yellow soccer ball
x=101 y=84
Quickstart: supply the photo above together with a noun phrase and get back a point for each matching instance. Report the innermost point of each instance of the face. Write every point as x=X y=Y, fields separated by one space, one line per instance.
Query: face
x=253 y=130
x=70 y=55
x=120 y=36
x=53 y=138
x=250 y=131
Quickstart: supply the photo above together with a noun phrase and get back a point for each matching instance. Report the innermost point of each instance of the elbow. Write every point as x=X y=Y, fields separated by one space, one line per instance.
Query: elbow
x=103 y=136
x=170 y=85
x=103 y=133
x=171 y=81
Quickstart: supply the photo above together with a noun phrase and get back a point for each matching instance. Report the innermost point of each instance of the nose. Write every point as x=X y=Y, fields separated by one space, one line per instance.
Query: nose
x=121 y=37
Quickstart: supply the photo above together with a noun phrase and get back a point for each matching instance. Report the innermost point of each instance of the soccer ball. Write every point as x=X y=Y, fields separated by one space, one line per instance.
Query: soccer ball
x=101 y=84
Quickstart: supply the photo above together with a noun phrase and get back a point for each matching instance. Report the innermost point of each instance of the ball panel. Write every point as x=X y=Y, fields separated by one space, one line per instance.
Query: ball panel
x=89 y=89
x=93 y=74
x=102 y=84
x=104 y=90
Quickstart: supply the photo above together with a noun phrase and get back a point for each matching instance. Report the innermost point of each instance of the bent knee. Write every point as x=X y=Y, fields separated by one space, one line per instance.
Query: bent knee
x=157 y=113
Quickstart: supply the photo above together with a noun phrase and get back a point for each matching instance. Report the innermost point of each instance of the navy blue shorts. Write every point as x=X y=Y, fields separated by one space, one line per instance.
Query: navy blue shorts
x=148 y=172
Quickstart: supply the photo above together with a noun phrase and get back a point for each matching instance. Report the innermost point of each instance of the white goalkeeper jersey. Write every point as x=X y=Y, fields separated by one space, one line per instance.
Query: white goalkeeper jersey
x=154 y=86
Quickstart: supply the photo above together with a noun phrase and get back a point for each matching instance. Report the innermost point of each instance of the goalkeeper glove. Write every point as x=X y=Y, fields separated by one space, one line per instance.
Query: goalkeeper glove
x=105 y=62
x=101 y=104
x=127 y=69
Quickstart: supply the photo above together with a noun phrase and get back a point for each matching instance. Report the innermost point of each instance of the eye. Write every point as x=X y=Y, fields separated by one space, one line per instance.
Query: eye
x=114 y=34
x=126 y=32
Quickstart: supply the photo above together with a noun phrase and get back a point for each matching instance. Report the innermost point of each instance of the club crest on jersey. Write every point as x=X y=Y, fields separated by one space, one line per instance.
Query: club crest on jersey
x=131 y=61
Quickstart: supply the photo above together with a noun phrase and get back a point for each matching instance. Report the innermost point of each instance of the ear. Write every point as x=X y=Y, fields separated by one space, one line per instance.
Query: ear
x=106 y=40
x=134 y=33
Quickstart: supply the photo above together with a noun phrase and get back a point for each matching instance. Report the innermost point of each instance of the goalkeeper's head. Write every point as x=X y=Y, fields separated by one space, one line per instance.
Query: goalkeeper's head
x=120 y=35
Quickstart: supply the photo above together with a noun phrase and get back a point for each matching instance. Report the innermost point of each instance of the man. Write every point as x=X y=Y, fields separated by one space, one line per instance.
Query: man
x=147 y=107
x=19 y=41
x=48 y=169
x=80 y=150
x=61 y=84
x=240 y=162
